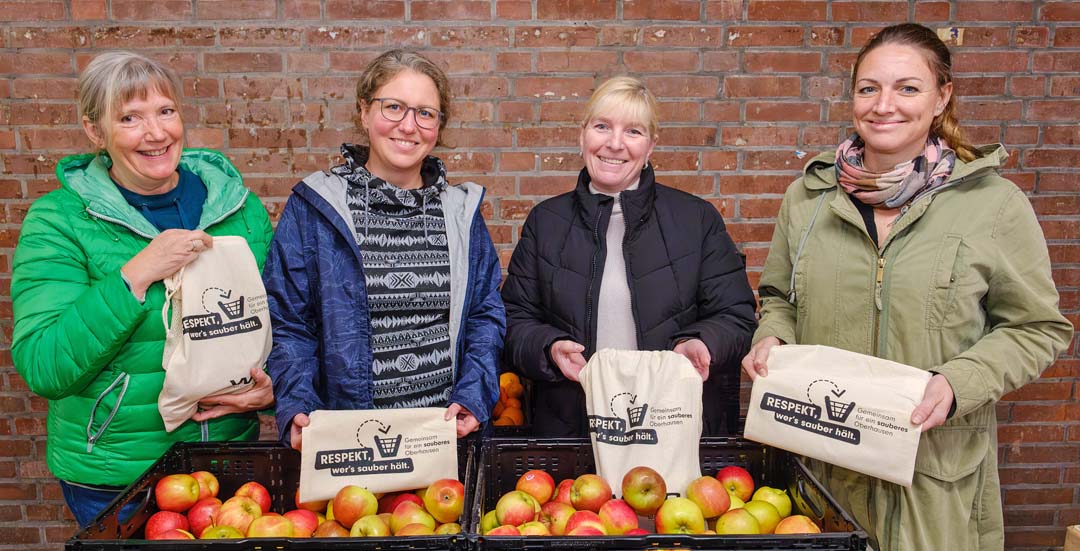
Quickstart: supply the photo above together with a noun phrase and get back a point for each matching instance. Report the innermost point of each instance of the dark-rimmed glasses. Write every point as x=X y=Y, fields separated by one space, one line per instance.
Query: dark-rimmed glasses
x=395 y=110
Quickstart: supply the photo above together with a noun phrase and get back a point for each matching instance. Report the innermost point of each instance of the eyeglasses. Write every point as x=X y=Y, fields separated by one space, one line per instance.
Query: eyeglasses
x=395 y=110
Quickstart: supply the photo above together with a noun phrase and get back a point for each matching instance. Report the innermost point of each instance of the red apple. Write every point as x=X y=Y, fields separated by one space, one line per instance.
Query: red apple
x=255 y=491
x=644 y=490
x=176 y=492
x=617 y=517
x=410 y=513
x=679 y=515
x=238 y=512
x=586 y=530
x=777 y=497
x=208 y=484
x=504 y=530
x=767 y=515
x=271 y=526
x=589 y=493
x=737 y=521
x=562 y=491
x=163 y=521
x=637 y=532
x=304 y=522
x=221 y=532
x=516 y=508
x=445 y=500
x=371 y=526
x=353 y=502
x=448 y=528
x=584 y=518
x=797 y=524
x=201 y=515
x=330 y=529
x=709 y=495
x=534 y=528
x=538 y=484
x=389 y=502
x=173 y=534
x=737 y=480
x=554 y=514
x=316 y=506
x=415 y=529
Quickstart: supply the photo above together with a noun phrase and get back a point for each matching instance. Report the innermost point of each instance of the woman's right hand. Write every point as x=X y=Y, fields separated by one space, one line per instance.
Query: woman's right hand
x=299 y=421
x=754 y=362
x=568 y=357
x=166 y=253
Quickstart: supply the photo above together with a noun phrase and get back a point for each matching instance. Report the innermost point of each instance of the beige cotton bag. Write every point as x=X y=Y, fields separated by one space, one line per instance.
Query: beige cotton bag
x=644 y=409
x=219 y=329
x=841 y=407
x=383 y=450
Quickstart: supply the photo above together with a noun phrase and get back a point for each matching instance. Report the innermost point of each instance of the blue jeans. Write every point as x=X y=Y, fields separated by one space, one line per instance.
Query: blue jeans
x=87 y=503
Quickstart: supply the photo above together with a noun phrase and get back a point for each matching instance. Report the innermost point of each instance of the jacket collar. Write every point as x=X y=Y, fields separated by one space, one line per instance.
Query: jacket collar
x=637 y=204
x=432 y=169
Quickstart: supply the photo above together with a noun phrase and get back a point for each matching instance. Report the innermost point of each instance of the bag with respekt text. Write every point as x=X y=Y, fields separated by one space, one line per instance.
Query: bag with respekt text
x=219 y=329
x=383 y=450
x=644 y=408
x=841 y=407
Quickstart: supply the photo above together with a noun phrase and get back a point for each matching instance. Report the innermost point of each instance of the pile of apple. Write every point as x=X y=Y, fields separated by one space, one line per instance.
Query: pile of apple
x=189 y=507
x=725 y=504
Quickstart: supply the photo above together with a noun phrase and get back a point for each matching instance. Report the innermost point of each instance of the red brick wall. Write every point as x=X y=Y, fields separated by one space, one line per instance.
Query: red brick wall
x=746 y=88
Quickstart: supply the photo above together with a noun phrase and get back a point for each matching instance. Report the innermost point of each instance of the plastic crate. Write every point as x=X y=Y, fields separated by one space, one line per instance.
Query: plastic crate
x=234 y=463
x=524 y=429
x=502 y=461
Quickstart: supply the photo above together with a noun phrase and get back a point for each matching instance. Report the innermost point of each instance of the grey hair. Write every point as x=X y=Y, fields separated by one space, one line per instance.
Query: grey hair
x=115 y=78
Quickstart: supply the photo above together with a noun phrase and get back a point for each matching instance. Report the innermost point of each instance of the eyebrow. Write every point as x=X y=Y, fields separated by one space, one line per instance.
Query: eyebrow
x=905 y=79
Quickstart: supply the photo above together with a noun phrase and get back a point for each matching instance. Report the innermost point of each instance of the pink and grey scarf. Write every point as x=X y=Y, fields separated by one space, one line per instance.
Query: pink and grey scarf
x=899 y=186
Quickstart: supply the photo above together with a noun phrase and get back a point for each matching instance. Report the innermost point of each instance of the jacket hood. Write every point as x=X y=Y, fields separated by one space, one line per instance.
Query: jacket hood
x=87 y=176
x=820 y=172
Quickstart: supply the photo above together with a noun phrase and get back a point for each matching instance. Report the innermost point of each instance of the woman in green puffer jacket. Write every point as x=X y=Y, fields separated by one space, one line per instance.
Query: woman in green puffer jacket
x=86 y=283
x=908 y=245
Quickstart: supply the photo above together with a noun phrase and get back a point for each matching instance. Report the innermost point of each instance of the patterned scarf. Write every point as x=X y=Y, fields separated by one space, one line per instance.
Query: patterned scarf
x=899 y=186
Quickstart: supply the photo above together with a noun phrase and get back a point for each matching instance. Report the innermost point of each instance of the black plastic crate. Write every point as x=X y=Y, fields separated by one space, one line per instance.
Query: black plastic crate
x=501 y=462
x=524 y=429
x=271 y=464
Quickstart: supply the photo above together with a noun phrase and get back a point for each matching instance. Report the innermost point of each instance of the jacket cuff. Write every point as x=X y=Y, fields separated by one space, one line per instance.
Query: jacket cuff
x=969 y=388
x=785 y=333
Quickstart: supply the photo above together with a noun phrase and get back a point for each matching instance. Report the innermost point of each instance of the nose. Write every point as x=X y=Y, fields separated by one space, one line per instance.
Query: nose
x=615 y=141
x=884 y=103
x=155 y=131
x=408 y=122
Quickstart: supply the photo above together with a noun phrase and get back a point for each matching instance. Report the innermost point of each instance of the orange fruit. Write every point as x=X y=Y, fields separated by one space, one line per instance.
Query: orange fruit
x=515 y=415
x=516 y=389
x=506 y=380
x=512 y=403
x=499 y=406
x=503 y=422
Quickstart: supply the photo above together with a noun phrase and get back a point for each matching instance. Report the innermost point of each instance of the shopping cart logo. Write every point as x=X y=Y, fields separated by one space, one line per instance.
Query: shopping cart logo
x=619 y=431
x=224 y=316
x=382 y=458
x=808 y=415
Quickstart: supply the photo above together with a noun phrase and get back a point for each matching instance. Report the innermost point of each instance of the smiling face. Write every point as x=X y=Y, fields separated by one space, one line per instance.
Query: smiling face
x=615 y=148
x=145 y=138
x=896 y=98
x=397 y=149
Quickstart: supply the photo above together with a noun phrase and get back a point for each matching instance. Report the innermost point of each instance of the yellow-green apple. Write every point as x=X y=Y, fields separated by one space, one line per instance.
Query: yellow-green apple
x=504 y=530
x=589 y=493
x=271 y=526
x=765 y=513
x=353 y=502
x=445 y=499
x=554 y=514
x=777 y=497
x=562 y=491
x=736 y=503
x=370 y=526
x=238 y=512
x=586 y=530
x=637 y=532
x=208 y=484
x=797 y=524
x=386 y=517
x=644 y=490
x=221 y=532
x=709 y=495
x=255 y=491
x=488 y=522
x=448 y=528
x=173 y=534
x=737 y=521
x=330 y=529
x=516 y=508
x=410 y=513
x=584 y=518
x=737 y=480
x=534 y=528
x=304 y=522
x=679 y=515
x=389 y=502
x=617 y=517
x=202 y=514
x=415 y=529
x=330 y=510
x=538 y=484
x=176 y=492
x=163 y=521
x=316 y=506
x=322 y=517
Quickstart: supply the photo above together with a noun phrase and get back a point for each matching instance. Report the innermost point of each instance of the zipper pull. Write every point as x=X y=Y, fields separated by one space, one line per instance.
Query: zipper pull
x=877 y=283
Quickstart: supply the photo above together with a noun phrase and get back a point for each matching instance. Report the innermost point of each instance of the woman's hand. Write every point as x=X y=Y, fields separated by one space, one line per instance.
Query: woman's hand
x=299 y=421
x=166 y=253
x=466 y=421
x=259 y=396
x=936 y=403
x=568 y=358
x=698 y=354
x=754 y=361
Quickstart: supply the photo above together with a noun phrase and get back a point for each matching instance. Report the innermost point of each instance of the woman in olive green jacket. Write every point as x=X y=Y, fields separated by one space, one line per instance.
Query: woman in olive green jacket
x=908 y=245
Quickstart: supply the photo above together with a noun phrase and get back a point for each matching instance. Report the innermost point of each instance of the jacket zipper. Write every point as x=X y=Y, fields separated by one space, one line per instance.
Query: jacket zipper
x=93 y=437
x=590 y=335
x=877 y=300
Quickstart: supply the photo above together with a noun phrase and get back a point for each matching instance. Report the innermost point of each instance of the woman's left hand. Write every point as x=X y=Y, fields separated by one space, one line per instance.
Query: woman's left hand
x=936 y=403
x=466 y=421
x=698 y=354
x=259 y=396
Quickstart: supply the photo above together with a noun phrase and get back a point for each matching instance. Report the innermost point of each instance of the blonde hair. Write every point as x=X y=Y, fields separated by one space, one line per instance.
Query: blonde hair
x=115 y=78
x=628 y=97
x=388 y=64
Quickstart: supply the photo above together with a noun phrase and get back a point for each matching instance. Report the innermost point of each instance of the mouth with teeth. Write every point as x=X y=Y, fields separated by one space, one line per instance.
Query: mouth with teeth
x=155 y=152
x=403 y=143
x=612 y=161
